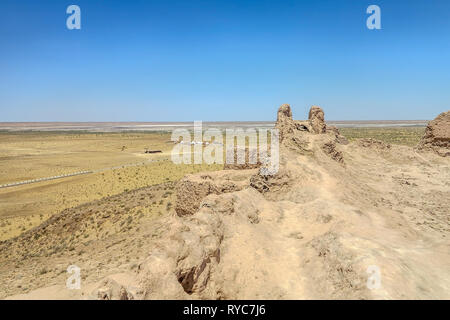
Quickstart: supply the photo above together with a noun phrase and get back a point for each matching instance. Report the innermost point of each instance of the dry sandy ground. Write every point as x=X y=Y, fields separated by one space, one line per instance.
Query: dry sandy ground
x=103 y=236
x=32 y=155
x=315 y=231
x=333 y=211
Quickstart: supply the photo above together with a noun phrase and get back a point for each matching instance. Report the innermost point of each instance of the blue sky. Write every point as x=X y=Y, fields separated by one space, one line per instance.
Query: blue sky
x=223 y=60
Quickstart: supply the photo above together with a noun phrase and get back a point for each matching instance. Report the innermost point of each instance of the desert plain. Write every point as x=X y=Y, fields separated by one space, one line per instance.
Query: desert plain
x=141 y=227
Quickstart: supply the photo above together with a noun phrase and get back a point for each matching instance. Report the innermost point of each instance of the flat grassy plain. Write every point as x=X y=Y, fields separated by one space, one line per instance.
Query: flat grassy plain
x=119 y=164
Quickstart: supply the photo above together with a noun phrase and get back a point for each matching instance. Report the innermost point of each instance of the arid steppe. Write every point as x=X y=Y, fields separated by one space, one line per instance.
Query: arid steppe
x=118 y=161
x=308 y=232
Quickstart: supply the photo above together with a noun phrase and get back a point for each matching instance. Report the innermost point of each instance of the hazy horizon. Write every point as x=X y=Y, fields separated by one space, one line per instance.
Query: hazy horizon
x=169 y=126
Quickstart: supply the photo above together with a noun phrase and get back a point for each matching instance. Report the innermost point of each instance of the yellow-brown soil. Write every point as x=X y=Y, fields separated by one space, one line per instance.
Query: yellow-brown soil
x=27 y=156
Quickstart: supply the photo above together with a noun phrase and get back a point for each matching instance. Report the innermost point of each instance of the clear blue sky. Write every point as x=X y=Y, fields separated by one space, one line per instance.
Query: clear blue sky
x=222 y=60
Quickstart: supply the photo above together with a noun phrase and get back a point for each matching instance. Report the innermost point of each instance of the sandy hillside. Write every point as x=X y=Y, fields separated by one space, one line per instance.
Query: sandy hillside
x=333 y=210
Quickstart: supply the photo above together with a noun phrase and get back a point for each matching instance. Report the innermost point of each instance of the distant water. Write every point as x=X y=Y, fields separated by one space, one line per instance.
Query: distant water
x=169 y=126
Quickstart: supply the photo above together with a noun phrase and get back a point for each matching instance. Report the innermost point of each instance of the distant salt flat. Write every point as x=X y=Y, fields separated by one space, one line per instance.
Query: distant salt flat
x=169 y=126
x=378 y=124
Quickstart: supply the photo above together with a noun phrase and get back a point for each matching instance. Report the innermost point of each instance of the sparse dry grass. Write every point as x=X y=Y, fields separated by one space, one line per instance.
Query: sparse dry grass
x=33 y=155
x=113 y=233
x=408 y=136
x=110 y=227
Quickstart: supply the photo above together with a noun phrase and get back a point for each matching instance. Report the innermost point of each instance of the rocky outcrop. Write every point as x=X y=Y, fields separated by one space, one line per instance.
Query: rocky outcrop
x=251 y=159
x=330 y=149
x=111 y=290
x=437 y=135
x=285 y=124
x=317 y=119
x=339 y=137
x=301 y=135
x=315 y=123
x=192 y=189
x=273 y=184
x=313 y=230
